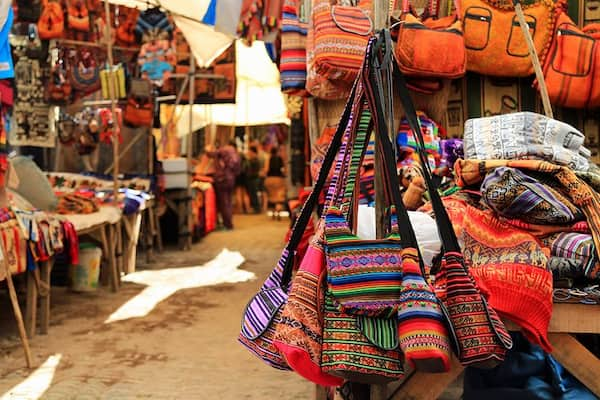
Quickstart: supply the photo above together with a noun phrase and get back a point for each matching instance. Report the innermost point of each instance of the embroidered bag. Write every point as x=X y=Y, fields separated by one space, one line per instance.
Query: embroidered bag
x=263 y=311
x=571 y=65
x=85 y=72
x=139 y=111
x=125 y=32
x=482 y=339
x=299 y=333
x=292 y=64
x=51 y=24
x=340 y=37
x=493 y=38
x=431 y=48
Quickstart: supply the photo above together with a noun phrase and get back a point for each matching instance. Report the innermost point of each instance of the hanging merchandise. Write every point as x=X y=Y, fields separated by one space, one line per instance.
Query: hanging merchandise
x=156 y=60
x=525 y=135
x=78 y=17
x=110 y=125
x=407 y=143
x=263 y=312
x=431 y=48
x=127 y=20
x=481 y=336
x=153 y=24
x=139 y=110
x=51 y=24
x=115 y=75
x=29 y=10
x=494 y=40
x=31 y=123
x=300 y=334
x=66 y=129
x=341 y=34
x=292 y=65
x=85 y=71
x=59 y=86
x=571 y=75
x=88 y=131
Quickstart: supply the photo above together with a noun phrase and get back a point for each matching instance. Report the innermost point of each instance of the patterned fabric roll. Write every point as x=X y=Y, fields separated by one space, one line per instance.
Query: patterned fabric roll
x=525 y=135
x=573 y=255
x=513 y=194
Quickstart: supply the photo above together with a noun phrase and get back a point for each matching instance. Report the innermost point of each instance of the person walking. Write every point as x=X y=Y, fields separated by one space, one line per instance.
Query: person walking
x=252 y=173
x=227 y=168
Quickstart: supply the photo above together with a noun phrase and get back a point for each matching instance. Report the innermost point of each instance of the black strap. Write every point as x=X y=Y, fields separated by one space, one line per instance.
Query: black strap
x=375 y=96
x=311 y=202
x=444 y=225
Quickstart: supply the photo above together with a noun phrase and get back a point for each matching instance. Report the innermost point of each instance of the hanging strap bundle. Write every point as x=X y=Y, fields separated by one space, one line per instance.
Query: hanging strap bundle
x=481 y=337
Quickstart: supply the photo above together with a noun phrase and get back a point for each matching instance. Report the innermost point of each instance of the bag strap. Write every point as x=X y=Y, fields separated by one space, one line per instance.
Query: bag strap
x=377 y=99
x=302 y=220
x=444 y=225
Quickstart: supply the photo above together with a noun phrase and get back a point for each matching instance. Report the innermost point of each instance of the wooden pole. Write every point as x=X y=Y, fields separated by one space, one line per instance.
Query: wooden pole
x=112 y=95
x=192 y=94
x=16 y=309
x=537 y=67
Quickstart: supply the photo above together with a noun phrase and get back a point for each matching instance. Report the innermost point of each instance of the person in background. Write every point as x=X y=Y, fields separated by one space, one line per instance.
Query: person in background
x=252 y=172
x=275 y=181
x=242 y=201
x=227 y=167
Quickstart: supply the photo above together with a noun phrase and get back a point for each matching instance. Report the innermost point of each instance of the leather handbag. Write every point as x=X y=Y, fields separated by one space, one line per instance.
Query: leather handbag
x=263 y=312
x=481 y=338
x=494 y=40
x=571 y=65
x=51 y=24
x=139 y=111
x=292 y=66
x=433 y=48
x=340 y=38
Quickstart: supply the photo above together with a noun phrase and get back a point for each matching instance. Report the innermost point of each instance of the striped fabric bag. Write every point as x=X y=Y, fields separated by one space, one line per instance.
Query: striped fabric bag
x=341 y=33
x=292 y=65
x=263 y=312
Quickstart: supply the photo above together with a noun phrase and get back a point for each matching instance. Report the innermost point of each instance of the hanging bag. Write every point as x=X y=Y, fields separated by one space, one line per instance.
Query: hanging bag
x=78 y=16
x=481 y=337
x=494 y=40
x=340 y=37
x=263 y=312
x=51 y=24
x=571 y=65
x=292 y=64
x=431 y=48
x=85 y=72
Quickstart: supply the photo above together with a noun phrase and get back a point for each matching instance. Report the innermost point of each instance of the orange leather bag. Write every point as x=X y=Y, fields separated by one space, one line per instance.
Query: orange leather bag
x=433 y=48
x=51 y=24
x=571 y=69
x=494 y=40
x=78 y=16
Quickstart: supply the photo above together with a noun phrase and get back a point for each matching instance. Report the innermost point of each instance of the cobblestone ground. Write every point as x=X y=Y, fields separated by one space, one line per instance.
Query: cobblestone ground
x=186 y=348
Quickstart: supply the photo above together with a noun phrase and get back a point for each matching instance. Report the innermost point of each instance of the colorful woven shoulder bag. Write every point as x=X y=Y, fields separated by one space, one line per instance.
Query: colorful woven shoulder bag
x=263 y=311
x=482 y=339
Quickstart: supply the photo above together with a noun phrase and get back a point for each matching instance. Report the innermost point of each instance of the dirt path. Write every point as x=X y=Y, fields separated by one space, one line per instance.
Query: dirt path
x=186 y=348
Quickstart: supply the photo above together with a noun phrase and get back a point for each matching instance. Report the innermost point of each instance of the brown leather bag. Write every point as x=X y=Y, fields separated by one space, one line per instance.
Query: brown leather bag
x=494 y=40
x=431 y=48
x=570 y=69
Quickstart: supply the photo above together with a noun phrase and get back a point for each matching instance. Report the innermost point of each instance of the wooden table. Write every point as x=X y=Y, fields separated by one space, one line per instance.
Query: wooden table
x=567 y=320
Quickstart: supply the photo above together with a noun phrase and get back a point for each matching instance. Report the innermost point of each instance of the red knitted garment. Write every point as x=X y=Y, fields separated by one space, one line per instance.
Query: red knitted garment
x=511 y=265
